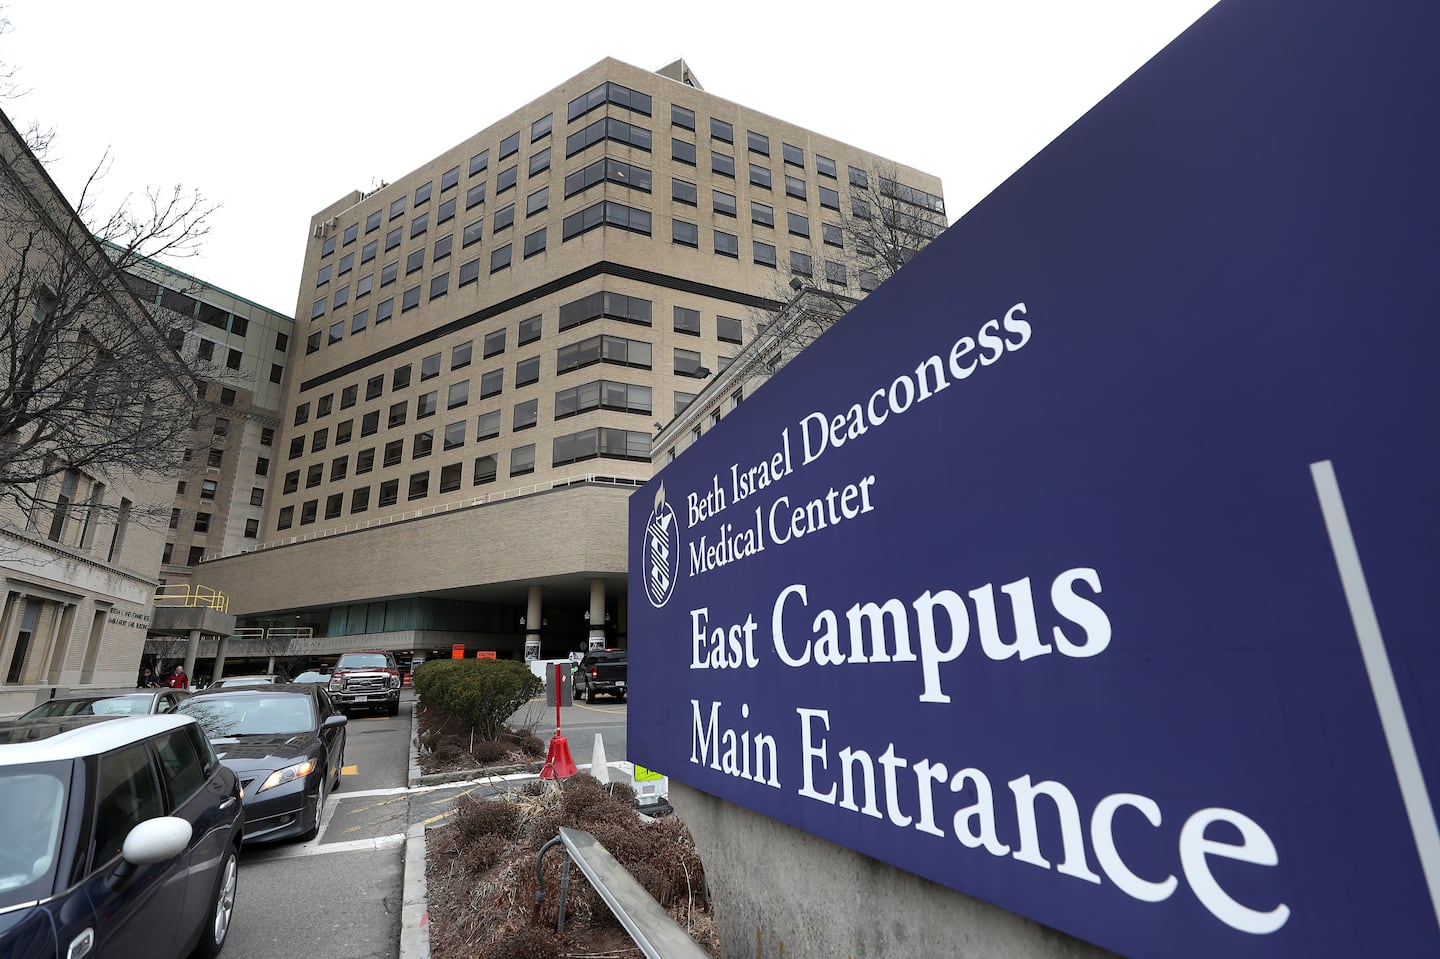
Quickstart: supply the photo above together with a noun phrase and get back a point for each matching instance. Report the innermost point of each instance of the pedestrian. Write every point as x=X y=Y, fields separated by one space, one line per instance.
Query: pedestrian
x=178 y=679
x=147 y=679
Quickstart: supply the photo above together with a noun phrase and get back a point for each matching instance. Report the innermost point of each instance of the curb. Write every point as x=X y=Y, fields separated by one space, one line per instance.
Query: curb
x=415 y=907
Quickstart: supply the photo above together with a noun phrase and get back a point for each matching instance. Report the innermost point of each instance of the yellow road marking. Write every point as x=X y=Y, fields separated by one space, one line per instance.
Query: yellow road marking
x=351 y=770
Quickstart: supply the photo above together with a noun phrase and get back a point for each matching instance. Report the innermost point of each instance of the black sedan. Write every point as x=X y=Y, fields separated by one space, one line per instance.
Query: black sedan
x=286 y=743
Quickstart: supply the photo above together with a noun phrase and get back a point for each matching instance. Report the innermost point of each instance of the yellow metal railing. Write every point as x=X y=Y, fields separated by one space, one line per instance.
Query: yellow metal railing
x=274 y=632
x=182 y=594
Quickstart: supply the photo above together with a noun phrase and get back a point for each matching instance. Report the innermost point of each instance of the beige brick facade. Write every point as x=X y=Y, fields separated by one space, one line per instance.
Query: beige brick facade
x=389 y=511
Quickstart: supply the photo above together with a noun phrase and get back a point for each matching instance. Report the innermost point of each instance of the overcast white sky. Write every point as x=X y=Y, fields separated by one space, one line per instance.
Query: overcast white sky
x=256 y=105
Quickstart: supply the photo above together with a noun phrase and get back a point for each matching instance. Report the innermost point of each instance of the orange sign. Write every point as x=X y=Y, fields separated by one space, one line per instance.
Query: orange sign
x=484 y=654
x=457 y=651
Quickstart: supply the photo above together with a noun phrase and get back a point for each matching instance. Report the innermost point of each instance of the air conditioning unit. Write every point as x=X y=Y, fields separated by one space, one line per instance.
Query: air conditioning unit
x=319 y=231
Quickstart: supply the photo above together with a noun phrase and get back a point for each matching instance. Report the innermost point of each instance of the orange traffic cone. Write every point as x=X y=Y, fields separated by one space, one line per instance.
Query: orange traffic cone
x=558 y=764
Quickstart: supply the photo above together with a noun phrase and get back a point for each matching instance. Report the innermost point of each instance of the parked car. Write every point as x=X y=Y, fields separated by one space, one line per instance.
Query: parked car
x=312 y=676
x=122 y=838
x=262 y=679
x=138 y=703
x=286 y=744
x=603 y=672
x=368 y=681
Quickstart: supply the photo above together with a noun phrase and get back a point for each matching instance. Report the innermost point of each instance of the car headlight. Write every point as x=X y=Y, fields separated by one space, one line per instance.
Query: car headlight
x=289 y=774
x=394 y=680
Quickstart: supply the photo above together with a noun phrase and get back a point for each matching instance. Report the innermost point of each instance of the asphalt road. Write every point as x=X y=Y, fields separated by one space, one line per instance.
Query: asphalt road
x=339 y=895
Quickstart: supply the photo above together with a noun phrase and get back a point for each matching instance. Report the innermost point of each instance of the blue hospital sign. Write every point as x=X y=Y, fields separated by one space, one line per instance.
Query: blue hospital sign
x=1091 y=566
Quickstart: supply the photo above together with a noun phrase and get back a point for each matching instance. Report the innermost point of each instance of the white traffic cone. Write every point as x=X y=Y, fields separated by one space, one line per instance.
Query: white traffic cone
x=599 y=768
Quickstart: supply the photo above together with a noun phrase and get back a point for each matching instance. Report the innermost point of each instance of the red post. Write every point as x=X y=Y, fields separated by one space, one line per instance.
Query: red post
x=559 y=695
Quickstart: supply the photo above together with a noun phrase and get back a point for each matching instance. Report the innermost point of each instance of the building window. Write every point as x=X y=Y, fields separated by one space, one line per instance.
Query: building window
x=479 y=162
x=687 y=362
x=687 y=321
x=370 y=423
x=277 y=372
x=683 y=191
x=794 y=186
x=601 y=441
x=757 y=142
x=262 y=467
x=832 y=235
x=500 y=259
x=608 y=170
x=446 y=212
x=537 y=201
x=509 y=146
x=494 y=343
x=286 y=519
x=762 y=253
x=504 y=219
x=488 y=425
x=794 y=155
x=603 y=394
x=449 y=178
x=685 y=234
x=422 y=444
x=727 y=244
x=369 y=251
x=393 y=452
x=727 y=329
x=529 y=330
x=323 y=276
x=797 y=224
x=389 y=272
x=682 y=152
x=526 y=415
x=314 y=475
x=442 y=247
x=410 y=299
x=606 y=213
x=722 y=164
x=426 y=404
x=414 y=262
x=454 y=435
x=825 y=166
x=522 y=460
x=389 y=493
x=540 y=129
x=439 y=286
x=527 y=371
x=485 y=468
x=364 y=285
x=397 y=207
x=760 y=176
x=859 y=177
x=398 y=412
x=720 y=130
x=829 y=198
x=400 y=378
x=337 y=333
x=835 y=273
x=422 y=193
x=202 y=522
x=208 y=488
x=252 y=531
x=535 y=242
x=606 y=349
x=392 y=239
x=475 y=196
x=469 y=273
x=257 y=496
x=472 y=233
x=334 y=504
x=372 y=222
x=419 y=486
x=724 y=203
x=359 y=499
x=374 y=386
x=539 y=162
x=360 y=321
x=492 y=383
x=460 y=355
x=292 y=481
x=506 y=179
x=339 y=466
x=800 y=263
x=347 y=263
x=384 y=310
x=364 y=461
x=682 y=117
x=617 y=306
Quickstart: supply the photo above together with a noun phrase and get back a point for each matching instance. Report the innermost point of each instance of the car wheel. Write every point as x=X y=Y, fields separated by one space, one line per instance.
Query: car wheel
x=339 y=770
x=393 y=709
x=589 y=694
x=314 y=829
x=222 y=907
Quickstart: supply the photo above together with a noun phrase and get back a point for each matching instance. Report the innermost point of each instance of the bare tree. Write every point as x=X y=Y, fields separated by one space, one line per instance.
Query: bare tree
x=886 y=223
x=89 y=379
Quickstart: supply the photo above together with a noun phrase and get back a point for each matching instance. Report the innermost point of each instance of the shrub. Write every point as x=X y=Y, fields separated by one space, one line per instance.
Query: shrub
x=482 y=692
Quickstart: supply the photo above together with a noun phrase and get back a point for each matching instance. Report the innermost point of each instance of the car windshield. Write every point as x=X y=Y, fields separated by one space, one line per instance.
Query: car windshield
x=32 y=807
x=248 y=714
x=131 y=704
x=234 y=681
x=608 y=657
x=310 y=677
x=362 y=661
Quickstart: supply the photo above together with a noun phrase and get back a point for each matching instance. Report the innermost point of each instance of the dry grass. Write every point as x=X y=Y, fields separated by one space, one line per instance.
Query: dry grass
x=480 y=869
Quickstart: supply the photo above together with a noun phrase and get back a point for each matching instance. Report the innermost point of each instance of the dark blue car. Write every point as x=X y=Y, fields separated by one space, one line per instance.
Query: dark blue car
x=121 y=839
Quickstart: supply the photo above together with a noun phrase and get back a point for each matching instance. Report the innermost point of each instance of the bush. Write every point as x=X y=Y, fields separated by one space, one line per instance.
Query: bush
x=482 y=692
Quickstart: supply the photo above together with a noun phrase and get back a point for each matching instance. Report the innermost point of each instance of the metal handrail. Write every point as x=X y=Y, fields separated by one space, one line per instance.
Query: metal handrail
x=184 y=594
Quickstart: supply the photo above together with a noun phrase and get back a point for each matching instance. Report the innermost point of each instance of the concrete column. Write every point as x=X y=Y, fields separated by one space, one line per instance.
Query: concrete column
x=191 y=649
x=59 y=645
x=219 y=668
x=9 y=620
x=533 y=623
x=597 y=613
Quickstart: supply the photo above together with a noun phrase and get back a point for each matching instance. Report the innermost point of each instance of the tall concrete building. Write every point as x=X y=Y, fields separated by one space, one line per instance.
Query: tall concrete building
x=485 y=348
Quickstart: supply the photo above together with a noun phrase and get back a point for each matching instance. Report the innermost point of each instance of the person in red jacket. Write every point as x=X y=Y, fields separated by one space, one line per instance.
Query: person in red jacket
x=178 y=679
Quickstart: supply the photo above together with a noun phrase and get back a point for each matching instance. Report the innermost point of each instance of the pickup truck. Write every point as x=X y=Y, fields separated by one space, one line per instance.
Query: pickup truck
x=366 y=681
x=602 y=673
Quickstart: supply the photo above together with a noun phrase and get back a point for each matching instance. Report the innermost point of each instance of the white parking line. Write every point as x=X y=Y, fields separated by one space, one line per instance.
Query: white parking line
x=314 y=848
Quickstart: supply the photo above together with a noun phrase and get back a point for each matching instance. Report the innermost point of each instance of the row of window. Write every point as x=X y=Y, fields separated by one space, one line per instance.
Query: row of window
x=601 y=442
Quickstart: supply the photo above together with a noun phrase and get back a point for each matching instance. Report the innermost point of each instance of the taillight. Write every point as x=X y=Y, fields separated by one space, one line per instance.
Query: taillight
x=594 y=672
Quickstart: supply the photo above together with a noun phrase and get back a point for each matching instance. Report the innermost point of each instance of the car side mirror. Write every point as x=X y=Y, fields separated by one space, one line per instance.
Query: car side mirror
x=332 y=721
x=156 y=840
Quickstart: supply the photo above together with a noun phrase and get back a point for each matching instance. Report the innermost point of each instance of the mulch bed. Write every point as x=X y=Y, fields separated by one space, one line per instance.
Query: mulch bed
x=480 y=868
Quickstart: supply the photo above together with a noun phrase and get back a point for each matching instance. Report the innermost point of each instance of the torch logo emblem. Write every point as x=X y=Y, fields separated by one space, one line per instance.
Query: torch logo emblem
x=661 y=549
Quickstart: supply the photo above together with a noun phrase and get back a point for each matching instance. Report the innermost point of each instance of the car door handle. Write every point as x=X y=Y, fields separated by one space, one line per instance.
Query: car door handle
x=228 y=803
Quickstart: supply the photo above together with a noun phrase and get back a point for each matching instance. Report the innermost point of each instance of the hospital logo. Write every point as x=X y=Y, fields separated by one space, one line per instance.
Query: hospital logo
x=660 y=552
